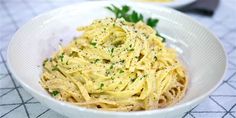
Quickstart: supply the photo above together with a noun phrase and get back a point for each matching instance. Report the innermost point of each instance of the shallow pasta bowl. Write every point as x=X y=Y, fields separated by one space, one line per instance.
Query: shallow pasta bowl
x=199 y=49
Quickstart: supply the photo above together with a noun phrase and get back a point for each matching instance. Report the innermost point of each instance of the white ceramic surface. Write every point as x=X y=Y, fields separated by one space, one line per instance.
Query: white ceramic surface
x=39 y=38
x=173 y=3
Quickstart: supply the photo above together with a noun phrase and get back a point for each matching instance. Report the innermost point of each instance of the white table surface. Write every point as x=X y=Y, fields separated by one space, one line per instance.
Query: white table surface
x=16 y=103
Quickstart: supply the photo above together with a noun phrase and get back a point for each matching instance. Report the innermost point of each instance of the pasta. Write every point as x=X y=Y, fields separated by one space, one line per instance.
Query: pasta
x=116 y=66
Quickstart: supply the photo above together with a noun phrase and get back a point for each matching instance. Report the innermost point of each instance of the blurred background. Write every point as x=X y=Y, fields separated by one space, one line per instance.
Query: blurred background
x=218 y=16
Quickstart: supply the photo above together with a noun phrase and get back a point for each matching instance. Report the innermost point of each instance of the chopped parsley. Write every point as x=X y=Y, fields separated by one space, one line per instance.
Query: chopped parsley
x=96 y=60
x=112 y=78
x=122 y=61
x=54 y=93
x=55 y=68
x=45 y=61
x=93 y=44
x=132 y=49
x=73 y=53
x=106 y=60
x=112 y=50
x=107 y=72
x=111 y=67
x=117 y=43
x=132 y=79
x=61 y=57
x=143 y=76
x=101 y=86
x=155 y=58
x=121 y=71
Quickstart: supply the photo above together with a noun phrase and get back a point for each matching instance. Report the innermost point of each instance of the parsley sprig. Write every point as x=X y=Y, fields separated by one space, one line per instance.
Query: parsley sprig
x=133 y=16
x=152 y=22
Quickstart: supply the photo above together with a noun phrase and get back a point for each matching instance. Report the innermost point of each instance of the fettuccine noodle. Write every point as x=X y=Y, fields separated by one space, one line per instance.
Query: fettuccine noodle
x=117 y=66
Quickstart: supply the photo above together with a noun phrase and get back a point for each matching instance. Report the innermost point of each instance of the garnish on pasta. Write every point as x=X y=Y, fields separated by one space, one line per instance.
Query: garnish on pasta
x=129 y=15
x=116 y=65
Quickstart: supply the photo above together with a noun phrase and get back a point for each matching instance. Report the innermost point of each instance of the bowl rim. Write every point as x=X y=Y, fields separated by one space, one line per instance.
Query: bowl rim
x=172 y=4
x=69 y=105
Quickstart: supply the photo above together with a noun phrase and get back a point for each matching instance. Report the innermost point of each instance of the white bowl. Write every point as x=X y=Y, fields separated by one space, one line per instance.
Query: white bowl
x=39 y=38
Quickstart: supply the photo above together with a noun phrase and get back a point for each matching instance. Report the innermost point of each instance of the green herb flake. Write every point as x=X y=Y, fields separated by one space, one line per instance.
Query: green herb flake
x=145 y=75
x=121 y=71
x=107 y=72
x=61 y=57
x=72 y=54
x=93 y=44
x=111 y=67
x=117 y=43
x=132 y=49
x=112 y=78
x=155 y=58
x=132 y=79
x=122 y=61
x=96 y=60
x=45 y=61
x=112 y=50
x=54 y=93
x=101 y=86
x=55 y=68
